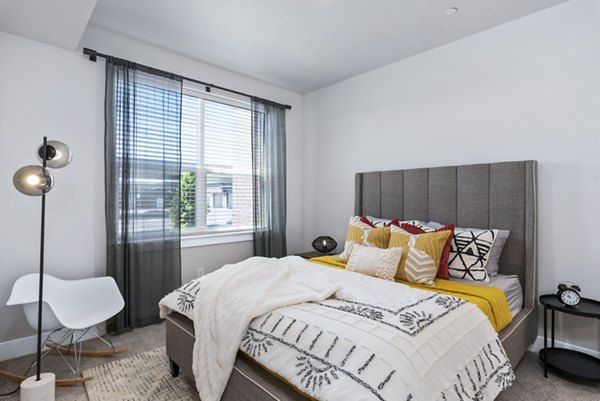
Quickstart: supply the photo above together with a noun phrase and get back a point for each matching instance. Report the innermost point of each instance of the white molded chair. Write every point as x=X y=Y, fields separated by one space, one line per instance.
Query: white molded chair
x=74 y=305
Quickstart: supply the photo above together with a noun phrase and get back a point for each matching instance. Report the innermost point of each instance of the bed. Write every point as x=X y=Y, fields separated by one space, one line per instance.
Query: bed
x=497 y=195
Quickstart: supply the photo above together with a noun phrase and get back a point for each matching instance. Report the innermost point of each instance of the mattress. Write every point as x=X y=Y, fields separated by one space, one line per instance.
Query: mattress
x=510 y=285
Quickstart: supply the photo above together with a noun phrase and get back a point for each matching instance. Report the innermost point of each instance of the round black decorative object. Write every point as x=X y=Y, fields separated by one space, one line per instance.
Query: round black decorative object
x=324 y=244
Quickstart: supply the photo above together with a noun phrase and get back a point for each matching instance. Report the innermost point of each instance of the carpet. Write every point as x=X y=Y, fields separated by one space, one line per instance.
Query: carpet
x=143 y=376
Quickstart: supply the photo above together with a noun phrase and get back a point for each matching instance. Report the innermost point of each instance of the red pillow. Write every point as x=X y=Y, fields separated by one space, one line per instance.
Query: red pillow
x=363 y=219
x=394 y=222
x=443 y=266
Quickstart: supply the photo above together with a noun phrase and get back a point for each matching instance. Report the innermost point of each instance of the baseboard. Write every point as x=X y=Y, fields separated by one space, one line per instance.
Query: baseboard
x=25 y=346
x=538 y=344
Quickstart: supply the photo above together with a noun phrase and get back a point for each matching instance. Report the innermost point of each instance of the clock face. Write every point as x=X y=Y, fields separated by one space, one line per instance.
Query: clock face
x=570 y=297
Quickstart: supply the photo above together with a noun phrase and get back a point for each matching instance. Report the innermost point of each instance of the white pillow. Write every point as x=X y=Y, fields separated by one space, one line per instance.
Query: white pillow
x=375 y=262
x=381 y=222
x=378 y=221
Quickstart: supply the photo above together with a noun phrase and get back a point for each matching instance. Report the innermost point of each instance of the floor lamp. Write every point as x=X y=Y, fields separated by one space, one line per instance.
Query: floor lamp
x=35 y=180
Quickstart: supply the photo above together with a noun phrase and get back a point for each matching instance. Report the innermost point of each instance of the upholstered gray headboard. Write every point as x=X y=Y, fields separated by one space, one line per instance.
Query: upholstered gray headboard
x=496 y=195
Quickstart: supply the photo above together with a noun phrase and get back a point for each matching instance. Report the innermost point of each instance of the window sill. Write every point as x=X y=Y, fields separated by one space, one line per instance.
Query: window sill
x=215 y=239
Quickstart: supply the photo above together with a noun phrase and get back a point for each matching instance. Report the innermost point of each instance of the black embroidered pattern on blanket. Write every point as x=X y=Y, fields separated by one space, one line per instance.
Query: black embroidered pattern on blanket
x=501 y=372
x=448 y=301
x=410 y=319
x=315 y=375
x=187 y=296
x=387 y=379
x=253 y=344
x=367 y=312
x=315 y=371
x=314 y=368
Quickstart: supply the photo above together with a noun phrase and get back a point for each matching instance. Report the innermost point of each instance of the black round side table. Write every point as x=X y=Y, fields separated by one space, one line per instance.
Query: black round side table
x=573 y=364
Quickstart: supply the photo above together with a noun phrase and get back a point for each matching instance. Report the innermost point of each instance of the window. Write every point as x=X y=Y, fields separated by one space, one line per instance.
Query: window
x=216 y=164
x=147 y=146
x=215 y=190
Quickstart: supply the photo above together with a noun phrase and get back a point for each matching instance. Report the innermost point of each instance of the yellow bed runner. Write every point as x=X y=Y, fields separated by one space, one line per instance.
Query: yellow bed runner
x=490 y=300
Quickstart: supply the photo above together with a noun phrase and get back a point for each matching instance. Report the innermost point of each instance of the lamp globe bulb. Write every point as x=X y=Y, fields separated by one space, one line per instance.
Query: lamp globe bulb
x=33 y=180
x=58 y=155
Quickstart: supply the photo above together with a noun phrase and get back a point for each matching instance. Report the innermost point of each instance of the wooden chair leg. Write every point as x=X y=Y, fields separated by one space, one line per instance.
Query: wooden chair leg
x=174 y=368
x=101 y=353
x=59 y=382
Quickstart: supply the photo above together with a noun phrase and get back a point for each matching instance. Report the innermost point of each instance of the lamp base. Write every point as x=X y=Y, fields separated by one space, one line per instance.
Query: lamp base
x=38 y=390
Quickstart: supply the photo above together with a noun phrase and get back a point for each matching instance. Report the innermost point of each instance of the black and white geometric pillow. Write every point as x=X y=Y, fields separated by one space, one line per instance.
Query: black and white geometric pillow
x=469 y=254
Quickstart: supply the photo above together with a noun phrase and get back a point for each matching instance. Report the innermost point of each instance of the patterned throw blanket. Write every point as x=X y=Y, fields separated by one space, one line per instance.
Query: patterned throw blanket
x=490 y=300
x=371 y=340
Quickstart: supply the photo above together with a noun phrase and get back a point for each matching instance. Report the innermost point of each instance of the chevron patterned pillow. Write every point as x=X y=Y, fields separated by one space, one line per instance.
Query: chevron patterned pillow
x=432 y=244
x=442 y=271
x=420 y=267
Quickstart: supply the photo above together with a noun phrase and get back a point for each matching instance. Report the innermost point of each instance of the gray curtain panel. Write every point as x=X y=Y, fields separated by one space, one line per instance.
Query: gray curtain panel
x=269 y=178
x=142 y=174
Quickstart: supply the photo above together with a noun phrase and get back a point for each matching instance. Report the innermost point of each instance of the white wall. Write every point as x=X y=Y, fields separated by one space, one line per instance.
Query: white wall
x=50 y=91
x=529 y=89
x=47 y=91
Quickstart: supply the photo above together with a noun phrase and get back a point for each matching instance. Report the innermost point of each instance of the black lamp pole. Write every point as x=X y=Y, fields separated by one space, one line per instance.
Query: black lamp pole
x=41 y=285
x=36 y=180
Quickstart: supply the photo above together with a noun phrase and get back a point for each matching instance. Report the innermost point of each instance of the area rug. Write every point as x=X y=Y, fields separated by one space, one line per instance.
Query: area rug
x=143 y=376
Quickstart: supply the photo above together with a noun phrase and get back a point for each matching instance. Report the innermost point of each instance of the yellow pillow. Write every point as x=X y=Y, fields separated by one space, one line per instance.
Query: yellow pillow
x=361 y=233
x=420 y=254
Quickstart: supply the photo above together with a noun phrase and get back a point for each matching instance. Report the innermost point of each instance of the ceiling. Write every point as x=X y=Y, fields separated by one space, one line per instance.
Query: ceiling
x=301 y=45
x=59 y=23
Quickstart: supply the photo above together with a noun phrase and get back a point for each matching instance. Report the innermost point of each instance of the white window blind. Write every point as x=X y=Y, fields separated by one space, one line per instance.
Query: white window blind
x=216 y=152
x=150 y=139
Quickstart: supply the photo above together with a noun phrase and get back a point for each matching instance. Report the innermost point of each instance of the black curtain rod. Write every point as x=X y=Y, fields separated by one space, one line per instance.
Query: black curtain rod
x=93 y=54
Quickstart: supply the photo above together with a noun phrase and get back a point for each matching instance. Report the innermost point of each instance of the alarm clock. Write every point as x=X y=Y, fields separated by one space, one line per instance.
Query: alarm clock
x=568 y=293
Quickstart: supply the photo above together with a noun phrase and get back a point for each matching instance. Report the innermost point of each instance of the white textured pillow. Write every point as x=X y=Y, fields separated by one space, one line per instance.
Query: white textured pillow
x=376 y=262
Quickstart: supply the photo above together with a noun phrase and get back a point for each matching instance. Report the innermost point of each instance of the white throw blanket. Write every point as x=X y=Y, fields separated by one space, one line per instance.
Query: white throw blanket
x=230 y=298
x=374 y=339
